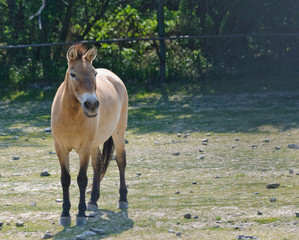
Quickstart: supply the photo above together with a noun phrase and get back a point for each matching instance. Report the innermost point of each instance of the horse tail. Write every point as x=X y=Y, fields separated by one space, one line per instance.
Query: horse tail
x=106 y=156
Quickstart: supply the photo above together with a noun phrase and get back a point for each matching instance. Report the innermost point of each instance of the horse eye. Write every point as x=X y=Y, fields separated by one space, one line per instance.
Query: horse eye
x=73 y=75
x=96 y=73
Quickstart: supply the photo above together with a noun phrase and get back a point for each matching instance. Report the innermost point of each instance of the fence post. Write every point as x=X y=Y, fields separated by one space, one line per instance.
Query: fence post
x=161 y=33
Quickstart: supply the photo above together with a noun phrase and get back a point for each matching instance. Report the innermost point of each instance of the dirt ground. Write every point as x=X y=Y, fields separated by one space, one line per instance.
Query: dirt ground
x=197 y=169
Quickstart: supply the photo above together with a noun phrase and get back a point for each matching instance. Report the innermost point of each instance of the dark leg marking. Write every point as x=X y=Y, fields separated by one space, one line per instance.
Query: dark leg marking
x=65 y=218
x=121 y=162
x=95 y=193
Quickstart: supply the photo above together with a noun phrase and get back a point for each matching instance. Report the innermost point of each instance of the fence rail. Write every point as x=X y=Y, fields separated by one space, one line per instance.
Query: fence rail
x=152 y=39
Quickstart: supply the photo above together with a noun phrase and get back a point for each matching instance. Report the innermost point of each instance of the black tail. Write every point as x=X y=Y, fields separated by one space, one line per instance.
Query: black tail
x=106 y=156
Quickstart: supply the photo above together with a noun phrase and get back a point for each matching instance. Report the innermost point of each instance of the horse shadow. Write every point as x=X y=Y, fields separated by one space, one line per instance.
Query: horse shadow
x=111 y=222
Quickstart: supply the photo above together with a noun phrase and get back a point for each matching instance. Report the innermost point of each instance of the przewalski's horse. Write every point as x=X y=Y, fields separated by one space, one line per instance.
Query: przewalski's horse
x=90 y=109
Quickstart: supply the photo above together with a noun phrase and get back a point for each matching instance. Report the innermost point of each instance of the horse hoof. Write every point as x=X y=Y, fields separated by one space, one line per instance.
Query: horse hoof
x=92 y=207
x=65 y=221
x=81 y=221
x=123 y=205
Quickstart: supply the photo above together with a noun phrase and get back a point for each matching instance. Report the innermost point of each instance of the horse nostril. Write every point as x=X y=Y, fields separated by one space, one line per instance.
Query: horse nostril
x=87 y=105
x=97 y=104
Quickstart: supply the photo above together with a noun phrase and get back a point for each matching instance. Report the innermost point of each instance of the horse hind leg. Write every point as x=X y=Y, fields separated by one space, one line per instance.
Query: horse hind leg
x=119 y=141
x=95 y=192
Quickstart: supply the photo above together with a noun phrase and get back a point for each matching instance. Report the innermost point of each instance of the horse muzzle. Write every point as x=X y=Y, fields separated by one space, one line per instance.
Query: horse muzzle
x=90 y=104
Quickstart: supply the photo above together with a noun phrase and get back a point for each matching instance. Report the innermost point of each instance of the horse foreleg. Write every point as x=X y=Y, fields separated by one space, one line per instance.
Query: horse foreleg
x=95 y=193
x=63 y=156
x=82 y=181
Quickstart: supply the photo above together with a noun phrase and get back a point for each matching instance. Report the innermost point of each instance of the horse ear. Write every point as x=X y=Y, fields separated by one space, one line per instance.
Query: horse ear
x=71 y=54
x=91 y=54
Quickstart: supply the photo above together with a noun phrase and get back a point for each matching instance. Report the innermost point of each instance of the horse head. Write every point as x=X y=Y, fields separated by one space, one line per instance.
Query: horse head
x=81 y=78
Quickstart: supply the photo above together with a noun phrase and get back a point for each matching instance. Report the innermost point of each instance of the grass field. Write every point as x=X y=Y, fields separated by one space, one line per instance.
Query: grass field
x=210 y=156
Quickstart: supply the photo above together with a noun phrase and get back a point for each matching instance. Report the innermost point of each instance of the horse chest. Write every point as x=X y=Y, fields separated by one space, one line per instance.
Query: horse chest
x=75 y=135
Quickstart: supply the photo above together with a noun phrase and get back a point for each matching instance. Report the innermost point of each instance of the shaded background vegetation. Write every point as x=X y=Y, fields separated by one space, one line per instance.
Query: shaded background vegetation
x=204 y=64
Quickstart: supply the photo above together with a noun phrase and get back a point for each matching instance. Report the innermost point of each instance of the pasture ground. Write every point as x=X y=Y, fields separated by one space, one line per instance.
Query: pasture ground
x=223 y=187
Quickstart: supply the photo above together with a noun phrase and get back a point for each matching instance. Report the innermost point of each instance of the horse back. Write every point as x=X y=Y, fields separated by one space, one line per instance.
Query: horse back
x=113 y=99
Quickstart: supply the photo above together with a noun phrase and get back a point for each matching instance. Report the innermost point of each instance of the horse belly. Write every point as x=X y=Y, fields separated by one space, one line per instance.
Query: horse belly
x=104 y=131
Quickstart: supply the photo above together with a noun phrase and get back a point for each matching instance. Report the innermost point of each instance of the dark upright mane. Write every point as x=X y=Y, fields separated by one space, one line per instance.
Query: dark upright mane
x=81 y=50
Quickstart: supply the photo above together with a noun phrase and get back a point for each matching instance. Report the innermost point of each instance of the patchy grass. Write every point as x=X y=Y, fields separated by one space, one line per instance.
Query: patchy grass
x=225 y=188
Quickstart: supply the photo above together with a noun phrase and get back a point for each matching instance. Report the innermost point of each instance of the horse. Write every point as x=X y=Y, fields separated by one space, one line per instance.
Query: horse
x=89 y=111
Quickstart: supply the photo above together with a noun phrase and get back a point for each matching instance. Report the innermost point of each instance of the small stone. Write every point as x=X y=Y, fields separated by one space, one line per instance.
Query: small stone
x=138 y=174
x=200 y=150
x=98 y=231
x=16 y=137
x=293 y=146
x=43 y=138
x=3 y=134
x=58 y=200
x=205 y=140
x=52 y=152
x=188 y=216
x=237 y=139
x=177 y=192
x=48 y=235
x=176 y=154
x=208 y=134
x=273 y=199
x=217 y=177
x=80 y=237
x=126 y=141
x=259 y=212
x=264 y=169
x=194 y=183
x=186 y=135
x=26 y=139
x=266 y=140
x=291 y=171
x=47 y=130
x=45 y=174
x=89 y=233
x=1 y=224
x=20 y=224
x=204 y=143
x=196 y=217
x=179 y=135
x=277 y=148
x=254 y=146
x=171 y=231
x=191 y=192
x=92 y=214
x=33 y=204
x=243 y=237
x=272 y=185
x=15 y=158
x=256 y=193
x=202 y=157
x=297 y=214
x=178 y=234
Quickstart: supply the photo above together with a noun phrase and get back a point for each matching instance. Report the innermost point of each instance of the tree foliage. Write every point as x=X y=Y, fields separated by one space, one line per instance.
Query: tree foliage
x=194 y=60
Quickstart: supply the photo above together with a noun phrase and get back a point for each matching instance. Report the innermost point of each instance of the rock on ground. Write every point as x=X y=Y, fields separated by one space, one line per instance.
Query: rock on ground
x=243 y=237
x=272 y=185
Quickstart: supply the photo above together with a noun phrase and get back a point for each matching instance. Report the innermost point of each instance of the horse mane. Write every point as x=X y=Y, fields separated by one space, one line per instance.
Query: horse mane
x=81 y=50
